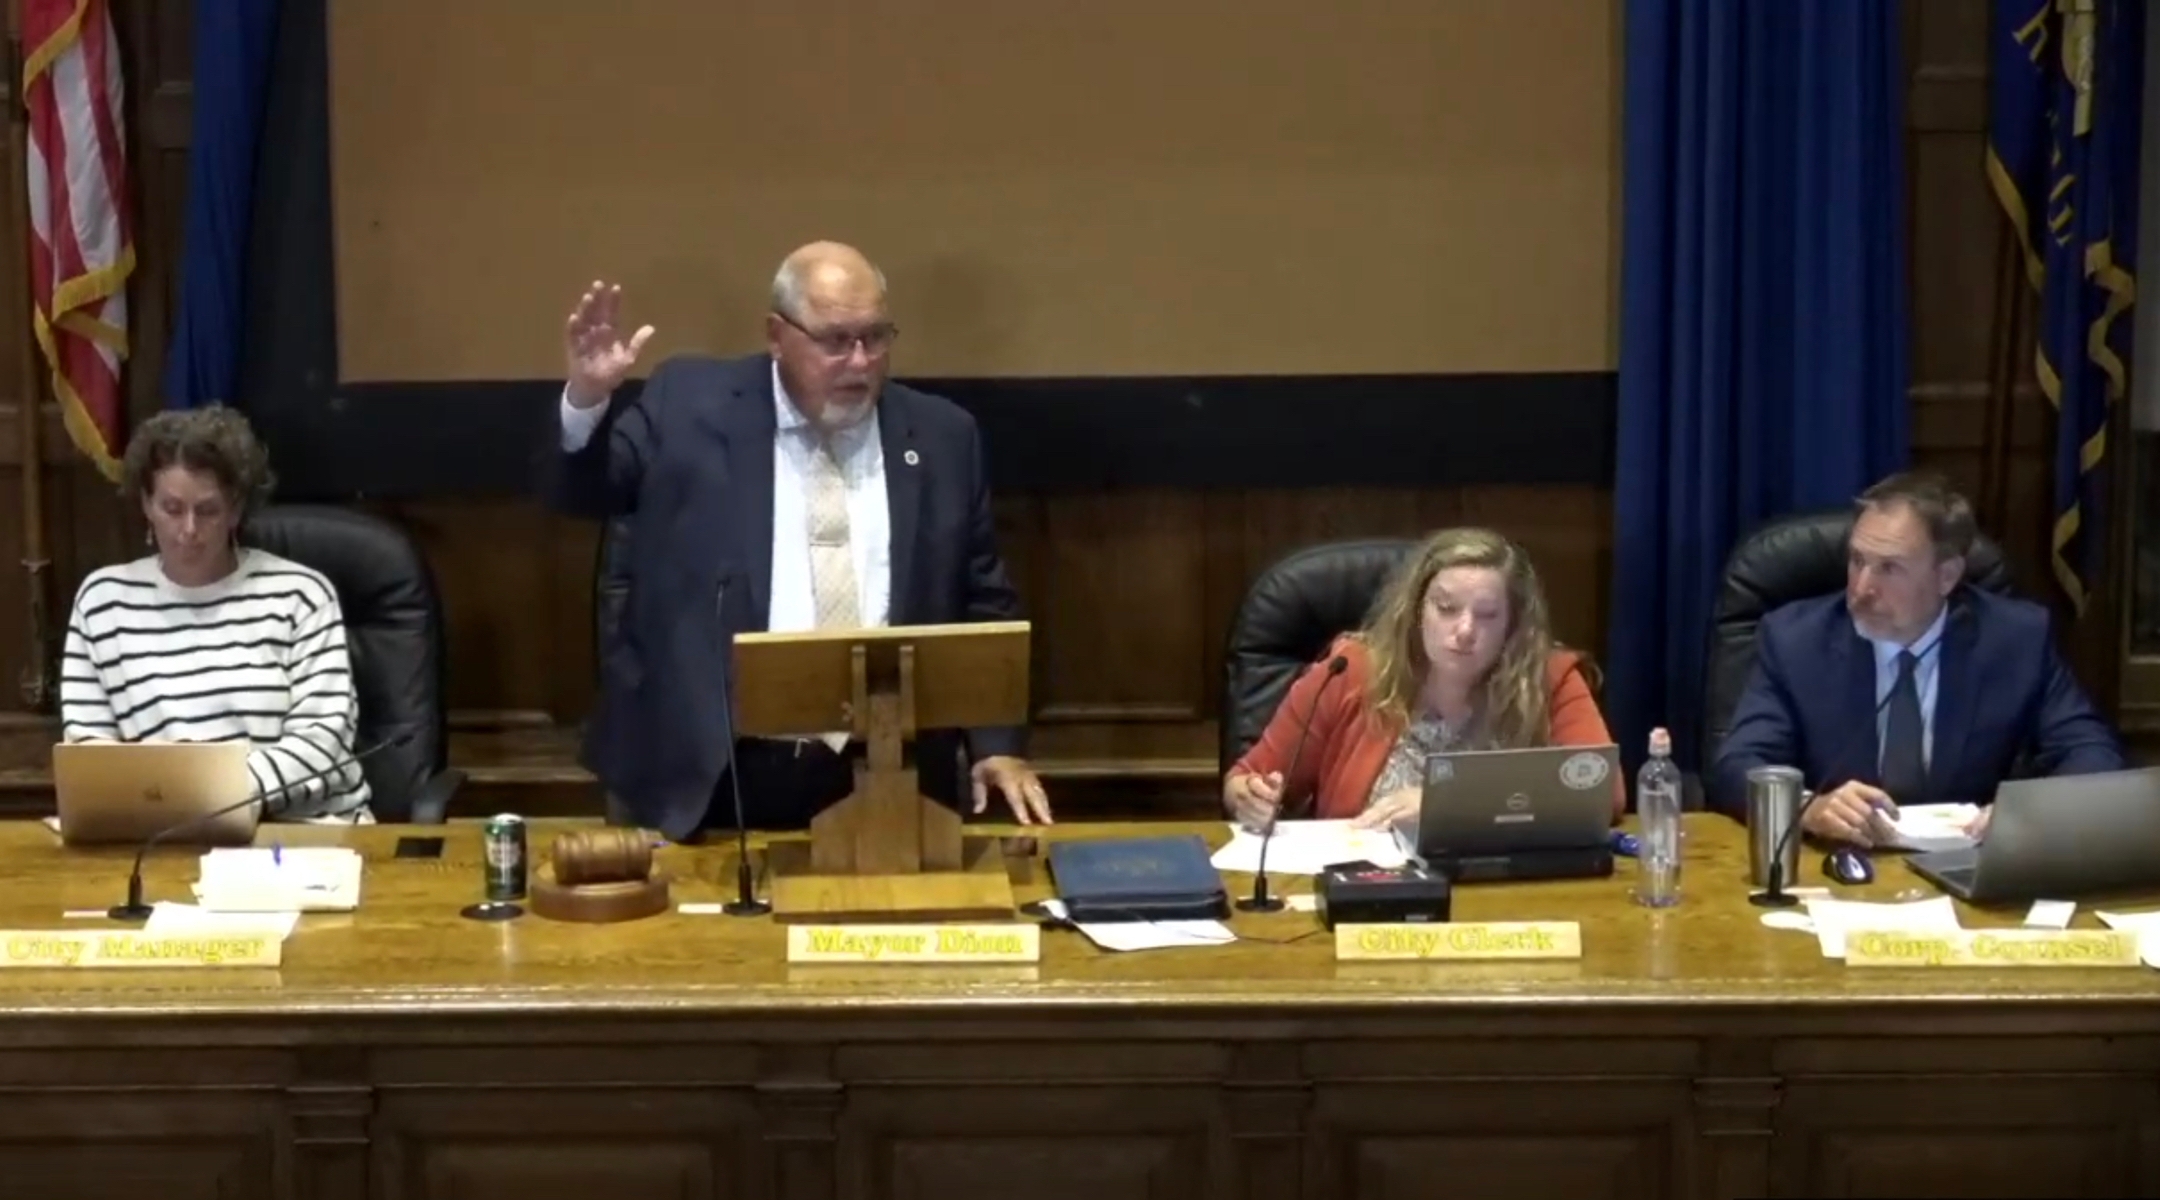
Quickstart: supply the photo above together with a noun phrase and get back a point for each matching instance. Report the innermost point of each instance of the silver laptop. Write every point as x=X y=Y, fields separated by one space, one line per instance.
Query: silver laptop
x=123 y=792
x=1496 y=802
x=2057 y=837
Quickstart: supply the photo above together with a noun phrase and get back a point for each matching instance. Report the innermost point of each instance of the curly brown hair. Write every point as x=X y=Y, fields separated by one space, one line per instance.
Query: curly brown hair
x=215 y=440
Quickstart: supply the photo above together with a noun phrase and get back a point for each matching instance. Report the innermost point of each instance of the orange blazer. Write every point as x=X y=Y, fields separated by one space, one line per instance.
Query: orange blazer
x=1349 y=743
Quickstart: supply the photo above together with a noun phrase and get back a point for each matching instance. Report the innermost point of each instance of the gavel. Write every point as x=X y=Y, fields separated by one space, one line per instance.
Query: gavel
x=589 y=856
x=600 y=875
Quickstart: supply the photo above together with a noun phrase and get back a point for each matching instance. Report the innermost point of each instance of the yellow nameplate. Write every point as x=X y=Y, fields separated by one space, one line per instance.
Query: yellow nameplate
x=133 y=948
x=1013 y=943
x=1481 y=940
x=1993 y=948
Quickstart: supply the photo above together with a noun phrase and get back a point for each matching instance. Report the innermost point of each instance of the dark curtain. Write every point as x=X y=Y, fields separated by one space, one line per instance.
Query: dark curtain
x=1763 y=325
x=233 y=44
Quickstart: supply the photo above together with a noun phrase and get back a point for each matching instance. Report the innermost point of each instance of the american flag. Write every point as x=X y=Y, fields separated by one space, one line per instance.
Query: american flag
x=82 y=248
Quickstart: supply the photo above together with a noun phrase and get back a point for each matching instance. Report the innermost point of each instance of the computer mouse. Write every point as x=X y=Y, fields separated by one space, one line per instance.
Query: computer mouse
x=1849 y=866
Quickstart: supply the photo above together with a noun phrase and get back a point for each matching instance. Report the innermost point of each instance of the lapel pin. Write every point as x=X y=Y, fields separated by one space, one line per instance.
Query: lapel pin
x=911 y=458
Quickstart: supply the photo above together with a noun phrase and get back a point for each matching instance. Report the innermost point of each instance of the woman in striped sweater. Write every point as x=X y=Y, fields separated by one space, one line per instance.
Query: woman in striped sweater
x=208 y=641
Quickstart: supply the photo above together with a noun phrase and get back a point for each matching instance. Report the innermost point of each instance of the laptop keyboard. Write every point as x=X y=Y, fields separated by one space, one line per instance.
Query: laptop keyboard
x=1954 y=861
x=1954 y=867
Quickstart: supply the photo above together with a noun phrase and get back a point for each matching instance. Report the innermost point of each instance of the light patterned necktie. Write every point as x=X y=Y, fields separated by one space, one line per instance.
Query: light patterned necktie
x=832 y=559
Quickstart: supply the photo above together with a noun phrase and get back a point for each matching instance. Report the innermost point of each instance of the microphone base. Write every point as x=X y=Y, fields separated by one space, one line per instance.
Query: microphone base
x=746 y=908
x=492 y=910
x=138 y=911
x=1260 y=904
x=1776 y=899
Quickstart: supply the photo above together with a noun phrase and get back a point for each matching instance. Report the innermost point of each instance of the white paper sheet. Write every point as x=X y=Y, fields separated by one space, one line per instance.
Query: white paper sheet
x=168 y=917
x=1925 y=827
x=2050 y=914
x=1833 y=919
x=292 y=879
x=2146 y=925
x=1151 y=935
x=1307 y=847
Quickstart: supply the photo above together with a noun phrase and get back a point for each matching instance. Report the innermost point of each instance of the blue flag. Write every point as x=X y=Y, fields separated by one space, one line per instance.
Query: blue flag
x=234 y=41
x=2066 y=89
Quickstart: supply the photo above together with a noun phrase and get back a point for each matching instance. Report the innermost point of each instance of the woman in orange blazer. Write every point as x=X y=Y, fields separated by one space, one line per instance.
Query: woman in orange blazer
x=1458 y=655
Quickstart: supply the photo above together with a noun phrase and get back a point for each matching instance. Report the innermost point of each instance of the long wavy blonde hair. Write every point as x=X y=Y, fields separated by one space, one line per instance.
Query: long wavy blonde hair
x=1513 y=702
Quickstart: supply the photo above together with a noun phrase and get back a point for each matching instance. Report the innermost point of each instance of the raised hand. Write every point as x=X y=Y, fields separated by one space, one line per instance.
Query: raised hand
x=595 y=356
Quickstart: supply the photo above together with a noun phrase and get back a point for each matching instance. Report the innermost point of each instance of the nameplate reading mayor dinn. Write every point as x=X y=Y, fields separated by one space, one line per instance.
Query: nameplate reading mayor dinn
x=42 y=948
x=1010 y=943
x=1992 y=948
x=1463 y=943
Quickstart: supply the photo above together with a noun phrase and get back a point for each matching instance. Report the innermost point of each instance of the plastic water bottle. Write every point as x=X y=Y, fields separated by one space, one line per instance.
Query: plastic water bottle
x=1657 y=812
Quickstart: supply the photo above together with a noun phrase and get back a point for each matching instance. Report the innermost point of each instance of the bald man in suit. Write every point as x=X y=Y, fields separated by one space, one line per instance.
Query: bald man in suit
x=794 y=489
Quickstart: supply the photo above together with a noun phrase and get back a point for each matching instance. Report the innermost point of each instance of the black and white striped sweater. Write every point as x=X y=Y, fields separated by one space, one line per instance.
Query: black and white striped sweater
x=259 y=655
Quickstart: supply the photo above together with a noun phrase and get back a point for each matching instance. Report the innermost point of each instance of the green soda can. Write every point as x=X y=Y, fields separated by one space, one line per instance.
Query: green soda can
x=504 y=862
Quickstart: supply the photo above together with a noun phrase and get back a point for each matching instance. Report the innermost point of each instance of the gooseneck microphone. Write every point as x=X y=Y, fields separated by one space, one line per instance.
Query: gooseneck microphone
x=745 y=903
x=273 y=800
x=1773 y=894
x=1260 y=901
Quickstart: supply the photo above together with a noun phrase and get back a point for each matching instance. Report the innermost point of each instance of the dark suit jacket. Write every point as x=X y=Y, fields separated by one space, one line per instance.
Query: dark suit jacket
x=691 y=459
x=2002 y=696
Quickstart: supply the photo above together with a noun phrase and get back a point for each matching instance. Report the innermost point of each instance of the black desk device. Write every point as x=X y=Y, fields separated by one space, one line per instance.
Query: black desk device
x=1359 y=893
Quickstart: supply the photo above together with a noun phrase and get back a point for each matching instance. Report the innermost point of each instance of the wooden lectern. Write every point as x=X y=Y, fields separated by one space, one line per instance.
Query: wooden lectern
x=886 y=852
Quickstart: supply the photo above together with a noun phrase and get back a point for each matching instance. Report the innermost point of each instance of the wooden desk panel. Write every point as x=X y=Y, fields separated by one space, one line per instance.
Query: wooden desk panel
x=404 y=1052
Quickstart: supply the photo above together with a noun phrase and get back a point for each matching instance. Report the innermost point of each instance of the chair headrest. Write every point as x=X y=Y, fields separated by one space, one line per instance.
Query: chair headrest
x=1289 y=615
x=1803 y=555
x=1307 y=598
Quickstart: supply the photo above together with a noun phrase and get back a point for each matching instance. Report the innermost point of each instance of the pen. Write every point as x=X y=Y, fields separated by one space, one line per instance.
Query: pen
x=277 y=854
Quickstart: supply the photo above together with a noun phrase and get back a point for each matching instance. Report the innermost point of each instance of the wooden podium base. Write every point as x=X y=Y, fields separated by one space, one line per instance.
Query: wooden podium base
x=979 y=891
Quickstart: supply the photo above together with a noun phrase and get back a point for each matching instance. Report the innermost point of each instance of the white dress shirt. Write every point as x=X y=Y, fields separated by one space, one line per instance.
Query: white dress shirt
x=1926 y=678
x=793 y=605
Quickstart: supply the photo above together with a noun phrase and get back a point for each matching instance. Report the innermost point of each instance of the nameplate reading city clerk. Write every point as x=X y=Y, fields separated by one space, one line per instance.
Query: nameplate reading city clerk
x=1466 y=942
x=957 y=944
x=1992 y=948
x=48 y=949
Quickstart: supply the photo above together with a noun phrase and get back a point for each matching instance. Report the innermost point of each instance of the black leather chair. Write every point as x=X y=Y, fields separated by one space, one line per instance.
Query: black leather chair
x=1791 y=558
x=394 y=627
x=1286 y=620
x=611 y=600
x=611 y=585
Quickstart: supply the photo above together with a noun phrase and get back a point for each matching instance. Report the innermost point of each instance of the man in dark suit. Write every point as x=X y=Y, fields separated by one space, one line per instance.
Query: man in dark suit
x=1962 y=682
x=792 y=490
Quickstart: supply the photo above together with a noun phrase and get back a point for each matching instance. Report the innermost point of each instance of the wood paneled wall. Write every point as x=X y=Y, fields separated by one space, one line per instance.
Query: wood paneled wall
x=1131 y=593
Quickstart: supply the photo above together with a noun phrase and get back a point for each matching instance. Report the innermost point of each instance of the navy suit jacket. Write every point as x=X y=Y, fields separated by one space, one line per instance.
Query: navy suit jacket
x=2003 y=699
x=690 y=461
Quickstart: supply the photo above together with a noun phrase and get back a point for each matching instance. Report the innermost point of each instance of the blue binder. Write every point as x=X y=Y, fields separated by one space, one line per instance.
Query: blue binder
x=1138 y=879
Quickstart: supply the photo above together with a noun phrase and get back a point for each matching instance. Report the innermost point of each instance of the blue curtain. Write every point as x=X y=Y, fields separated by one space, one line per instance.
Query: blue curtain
x=233 y=44
x=1763 y=356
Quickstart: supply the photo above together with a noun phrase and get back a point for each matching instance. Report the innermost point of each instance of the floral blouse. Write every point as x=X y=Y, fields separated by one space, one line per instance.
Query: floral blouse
x=1426 y=735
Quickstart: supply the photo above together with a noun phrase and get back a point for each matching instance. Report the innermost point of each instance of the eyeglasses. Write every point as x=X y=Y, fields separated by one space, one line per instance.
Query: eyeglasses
x=839 y=343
